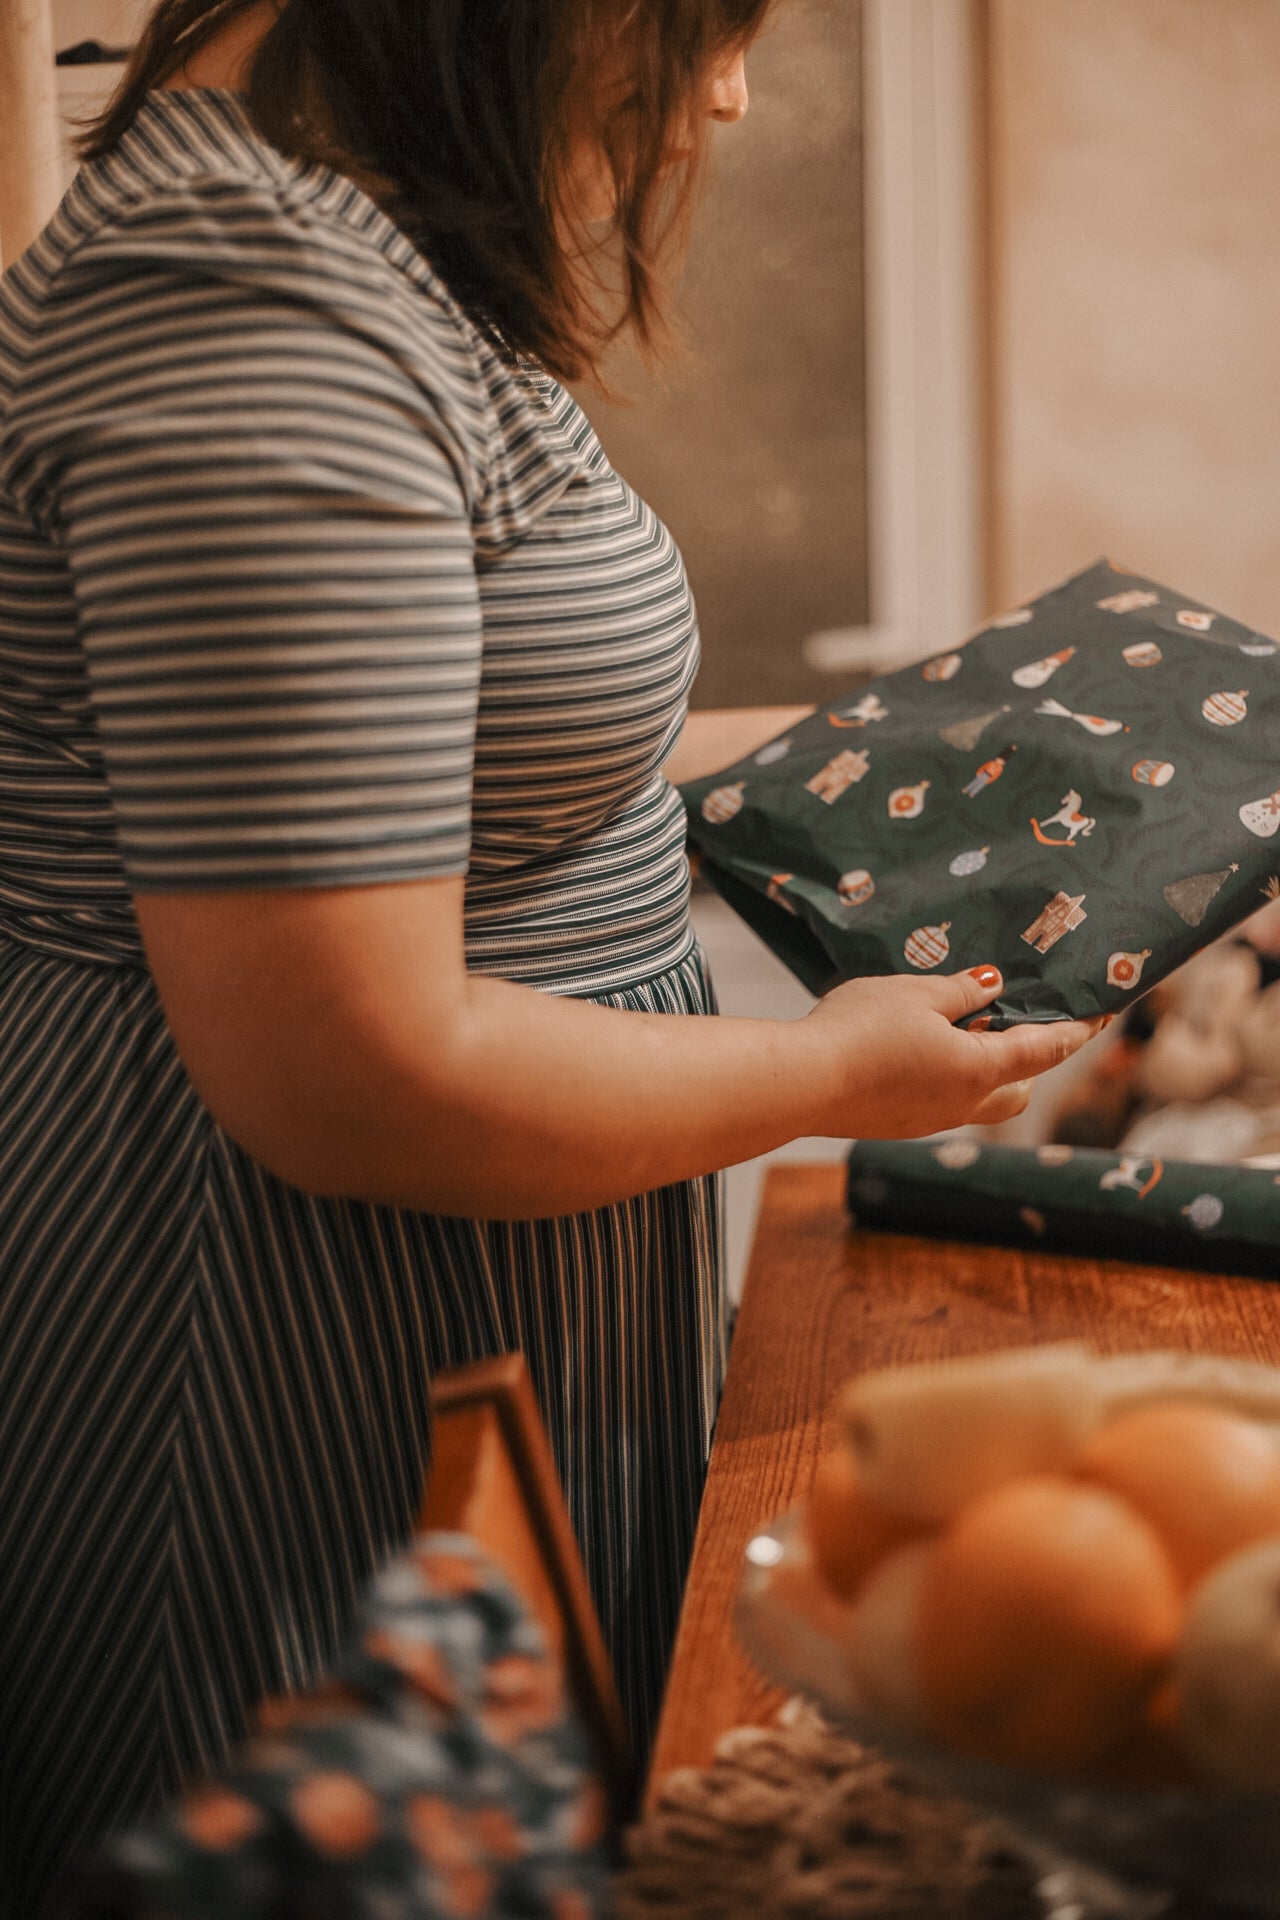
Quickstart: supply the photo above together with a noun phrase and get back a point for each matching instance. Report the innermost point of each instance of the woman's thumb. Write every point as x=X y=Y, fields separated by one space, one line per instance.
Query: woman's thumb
x=962 y=993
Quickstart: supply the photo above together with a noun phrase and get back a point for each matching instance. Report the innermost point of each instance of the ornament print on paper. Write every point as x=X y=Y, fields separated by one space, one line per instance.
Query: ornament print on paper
x=1198 y=622
x=1204 y=1212
x=1018 y=618
x=1132 y=600
x=1038 y=671
x=1063 y=914
x=957 y=1155
x=1125 y=969
x=966 y=863
x=1143 y=653
x=722 y=803
x=856 y=888
x=1262 y=816
x=1226 y=709
x=776 y=891
x=1152 y=773
x=839 y=774
x=907 y=803
x=988 y=773
x=772 y=752
x=965 y=734
x=1070 y=818
x=869 y=708
x=1191 y=898
x=1091 y=722
x=927 y=946
x=945 y=667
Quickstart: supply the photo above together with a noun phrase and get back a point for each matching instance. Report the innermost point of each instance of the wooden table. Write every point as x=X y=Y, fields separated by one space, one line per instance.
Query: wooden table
x=823 y=1301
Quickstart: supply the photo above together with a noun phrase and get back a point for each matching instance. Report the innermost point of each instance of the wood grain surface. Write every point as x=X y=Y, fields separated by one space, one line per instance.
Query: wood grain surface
x=823 y=1301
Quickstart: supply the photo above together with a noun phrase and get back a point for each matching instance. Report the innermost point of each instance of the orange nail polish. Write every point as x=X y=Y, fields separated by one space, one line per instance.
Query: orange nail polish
x=986 y=976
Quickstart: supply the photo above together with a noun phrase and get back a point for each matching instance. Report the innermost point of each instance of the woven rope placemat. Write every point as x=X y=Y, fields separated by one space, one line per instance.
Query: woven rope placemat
x=798 y=1822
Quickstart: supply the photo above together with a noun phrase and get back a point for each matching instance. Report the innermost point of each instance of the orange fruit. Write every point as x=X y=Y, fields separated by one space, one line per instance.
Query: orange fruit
x=1045 y=1617
x=848 y=1530
x=1207 y=1480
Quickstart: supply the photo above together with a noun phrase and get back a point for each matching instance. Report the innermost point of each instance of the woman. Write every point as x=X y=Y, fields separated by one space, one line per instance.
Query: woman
x=352 y=1020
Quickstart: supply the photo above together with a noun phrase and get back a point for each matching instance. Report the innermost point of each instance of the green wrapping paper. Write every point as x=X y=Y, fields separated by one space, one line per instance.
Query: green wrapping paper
x=1086 y=793
x=1122 y=1206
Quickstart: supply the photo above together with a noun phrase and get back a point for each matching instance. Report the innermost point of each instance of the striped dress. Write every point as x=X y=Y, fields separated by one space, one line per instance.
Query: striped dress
x=299 y=586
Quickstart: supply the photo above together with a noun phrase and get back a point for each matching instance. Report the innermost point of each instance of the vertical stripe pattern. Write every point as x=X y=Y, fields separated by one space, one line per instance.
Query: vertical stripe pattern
x=298 y=586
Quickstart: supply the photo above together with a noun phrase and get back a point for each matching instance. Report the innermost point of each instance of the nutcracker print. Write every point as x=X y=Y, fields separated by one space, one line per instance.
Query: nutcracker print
x=1125 y=969
x=1143 y=653
x=1070 y=818
x=722 y=803
x=855 y=888
x=927 y=947
x=1038 y=671
x=1226 y=709
x=1132 y=600
x=1018 y=618
x=839 y=774
x=776 y=891
x=988 y=773
x=945 y=667
x=1063 y=914
x=1153 y=773
x=907 y=803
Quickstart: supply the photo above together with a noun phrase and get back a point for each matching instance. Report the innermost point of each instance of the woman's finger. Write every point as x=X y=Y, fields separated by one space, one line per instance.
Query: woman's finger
x=1004 y=1104
x=1019 y=1053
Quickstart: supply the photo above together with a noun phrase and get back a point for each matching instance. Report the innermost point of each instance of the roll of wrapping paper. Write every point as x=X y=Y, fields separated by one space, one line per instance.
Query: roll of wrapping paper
x=1086 y=793
x=1123 y=1206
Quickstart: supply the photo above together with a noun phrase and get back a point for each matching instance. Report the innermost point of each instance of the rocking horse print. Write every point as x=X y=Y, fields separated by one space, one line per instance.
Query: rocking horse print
x=1068 y=816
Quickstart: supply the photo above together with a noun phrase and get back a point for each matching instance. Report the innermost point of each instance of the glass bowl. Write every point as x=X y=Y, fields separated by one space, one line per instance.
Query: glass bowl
x=1101 y=1851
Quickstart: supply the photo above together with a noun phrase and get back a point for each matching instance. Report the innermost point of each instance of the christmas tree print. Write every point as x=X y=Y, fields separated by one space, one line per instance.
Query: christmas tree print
x=965 y=734
x=1191 y=898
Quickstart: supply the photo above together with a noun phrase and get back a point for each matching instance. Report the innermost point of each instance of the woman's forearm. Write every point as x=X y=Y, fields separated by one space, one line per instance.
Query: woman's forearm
x=547 y=1105
x=717 y=736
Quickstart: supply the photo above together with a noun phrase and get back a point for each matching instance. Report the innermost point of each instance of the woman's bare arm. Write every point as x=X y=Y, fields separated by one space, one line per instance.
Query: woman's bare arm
x=717 y=736
x=336 y=1034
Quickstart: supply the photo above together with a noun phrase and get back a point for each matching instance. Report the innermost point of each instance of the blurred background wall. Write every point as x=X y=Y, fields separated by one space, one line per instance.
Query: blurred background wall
x=1134 y=295
x=753 y=448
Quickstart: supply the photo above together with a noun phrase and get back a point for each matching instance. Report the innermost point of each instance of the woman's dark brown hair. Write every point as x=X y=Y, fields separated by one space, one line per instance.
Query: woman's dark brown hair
x=466 y=120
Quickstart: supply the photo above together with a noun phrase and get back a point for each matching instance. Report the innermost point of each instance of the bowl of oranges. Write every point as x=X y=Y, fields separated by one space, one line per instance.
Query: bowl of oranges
x=1049 y=1580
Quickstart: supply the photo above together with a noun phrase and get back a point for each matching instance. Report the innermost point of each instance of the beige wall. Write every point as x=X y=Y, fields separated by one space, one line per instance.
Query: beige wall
x=1135 y=256
x=753 y=449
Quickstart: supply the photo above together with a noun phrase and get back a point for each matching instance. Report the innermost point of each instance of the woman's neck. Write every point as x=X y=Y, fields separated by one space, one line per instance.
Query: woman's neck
x=225 y=59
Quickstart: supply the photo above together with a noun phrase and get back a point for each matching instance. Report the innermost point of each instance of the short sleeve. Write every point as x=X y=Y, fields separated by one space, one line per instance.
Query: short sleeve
x=270 y=547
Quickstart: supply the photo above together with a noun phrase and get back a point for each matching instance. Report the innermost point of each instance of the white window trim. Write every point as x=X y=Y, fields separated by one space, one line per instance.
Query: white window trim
x=921 y=69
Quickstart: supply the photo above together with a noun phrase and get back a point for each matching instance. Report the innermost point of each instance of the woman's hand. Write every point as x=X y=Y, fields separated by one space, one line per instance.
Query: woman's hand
x=902 y=1068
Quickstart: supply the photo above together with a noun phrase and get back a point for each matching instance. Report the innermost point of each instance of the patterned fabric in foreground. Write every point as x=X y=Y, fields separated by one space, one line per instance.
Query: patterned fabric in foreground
x=437 y=1773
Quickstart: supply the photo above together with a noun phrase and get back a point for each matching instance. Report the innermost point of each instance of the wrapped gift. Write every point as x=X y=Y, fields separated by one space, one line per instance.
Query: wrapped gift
x=1124 y=1206
x=1086 y=793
